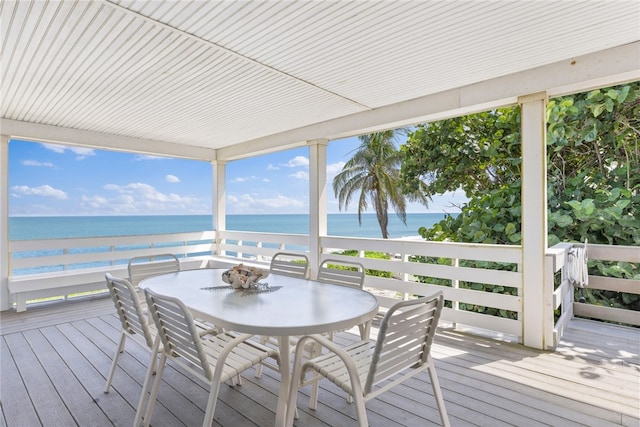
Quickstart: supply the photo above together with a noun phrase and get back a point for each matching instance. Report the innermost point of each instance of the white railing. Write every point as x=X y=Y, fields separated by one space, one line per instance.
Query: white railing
x=60 y=267
x=564 y=300
x=465 y=270
x=487 y=278
x=259 y=247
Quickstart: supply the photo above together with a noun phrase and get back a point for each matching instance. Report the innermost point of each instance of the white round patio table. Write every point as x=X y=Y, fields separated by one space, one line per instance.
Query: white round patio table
x=292 y=307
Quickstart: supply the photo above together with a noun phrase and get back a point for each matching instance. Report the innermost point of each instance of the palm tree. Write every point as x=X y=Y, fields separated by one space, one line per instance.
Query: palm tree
x=374 y=172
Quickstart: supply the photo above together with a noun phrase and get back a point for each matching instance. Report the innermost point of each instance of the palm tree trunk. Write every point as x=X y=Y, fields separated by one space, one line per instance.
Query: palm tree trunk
x=381 y=214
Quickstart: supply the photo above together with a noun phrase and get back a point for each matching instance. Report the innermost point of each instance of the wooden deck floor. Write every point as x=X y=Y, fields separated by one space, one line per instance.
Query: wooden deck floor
x=54 y=362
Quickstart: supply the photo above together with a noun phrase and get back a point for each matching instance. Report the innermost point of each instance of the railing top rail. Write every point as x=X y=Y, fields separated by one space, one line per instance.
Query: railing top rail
x=472 y=251
x=614 y=253
x=82 y=242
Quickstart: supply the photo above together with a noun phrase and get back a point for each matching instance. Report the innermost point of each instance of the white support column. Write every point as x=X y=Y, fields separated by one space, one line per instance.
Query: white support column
x=5 y=302
x=219 y=199
x=534 y=217
x=317 y=200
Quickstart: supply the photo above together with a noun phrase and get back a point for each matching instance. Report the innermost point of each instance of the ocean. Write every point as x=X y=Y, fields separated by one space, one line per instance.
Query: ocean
x=32 y=228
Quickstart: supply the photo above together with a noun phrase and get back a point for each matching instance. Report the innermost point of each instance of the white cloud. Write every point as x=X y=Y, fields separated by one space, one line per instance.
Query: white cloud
x=271 y=167
x=55 y=148
x=141 y=157
x=304 y=175
x=298 y=161
x=251 y=203
x=139 y=197
x=244 y=179
x=122 y=204
x=145 y=192
x=334 y=168
x=81 y=152
x=171 y=178
x=95 y=201
x=43 y=191
x=37 y=163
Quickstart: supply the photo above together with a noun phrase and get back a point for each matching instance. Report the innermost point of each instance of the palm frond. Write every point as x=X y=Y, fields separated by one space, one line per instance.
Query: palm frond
x=374 y=172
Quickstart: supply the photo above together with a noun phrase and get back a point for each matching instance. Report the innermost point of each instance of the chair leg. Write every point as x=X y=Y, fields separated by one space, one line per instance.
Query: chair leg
x=154 y=390
x=296 y=378
x=114 y=363
x=211 y=404
x=437 y=392
x=357 y=394
x=214 y=388
x=361 y=411
x=313 y=396
x=147 y=382
x=365 y=331
x=258 y=373
x=236 y=381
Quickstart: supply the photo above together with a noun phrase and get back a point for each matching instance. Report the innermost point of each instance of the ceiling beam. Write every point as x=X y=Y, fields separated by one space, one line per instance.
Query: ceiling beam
x=58 y=135
x=606 y=68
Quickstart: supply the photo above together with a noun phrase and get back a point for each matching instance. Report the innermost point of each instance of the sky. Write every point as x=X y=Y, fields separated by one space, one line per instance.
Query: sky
x=57 y=180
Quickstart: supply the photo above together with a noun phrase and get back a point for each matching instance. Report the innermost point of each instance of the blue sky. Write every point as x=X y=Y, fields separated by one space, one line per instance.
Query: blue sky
x=56 y=180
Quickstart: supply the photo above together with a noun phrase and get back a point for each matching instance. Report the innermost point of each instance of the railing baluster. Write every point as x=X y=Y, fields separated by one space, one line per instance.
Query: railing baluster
x=455 y=284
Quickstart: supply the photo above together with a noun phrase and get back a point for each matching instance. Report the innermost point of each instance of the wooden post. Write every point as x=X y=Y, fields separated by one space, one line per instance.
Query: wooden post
x=219 y=200
x=5 y=302
x=534 y=217
x=317 y=201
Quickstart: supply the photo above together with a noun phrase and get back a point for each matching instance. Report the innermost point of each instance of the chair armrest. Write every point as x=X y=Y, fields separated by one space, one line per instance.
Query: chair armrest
x=331 y=346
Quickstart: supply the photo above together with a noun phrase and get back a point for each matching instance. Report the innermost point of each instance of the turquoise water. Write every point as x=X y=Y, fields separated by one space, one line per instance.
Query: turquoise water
x=31 y=228
x=346 y=225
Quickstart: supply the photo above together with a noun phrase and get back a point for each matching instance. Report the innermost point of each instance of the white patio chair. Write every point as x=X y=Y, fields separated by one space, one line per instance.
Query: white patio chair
x=345 y=273
x=132 y=318
x=211 y=358
x=402 y=350
x=290 y=264
x=339 y=272
x=141 y=267
x=144 y=266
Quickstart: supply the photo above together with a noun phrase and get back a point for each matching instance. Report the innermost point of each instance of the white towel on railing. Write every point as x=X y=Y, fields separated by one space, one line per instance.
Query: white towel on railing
x=577 y=270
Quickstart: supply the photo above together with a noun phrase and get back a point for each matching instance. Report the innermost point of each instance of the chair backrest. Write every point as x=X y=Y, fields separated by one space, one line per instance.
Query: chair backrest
x=345 y=273
x=290 y=264
x=141 y=267
x=129 y=309
x=178 y=332
x=405 y=337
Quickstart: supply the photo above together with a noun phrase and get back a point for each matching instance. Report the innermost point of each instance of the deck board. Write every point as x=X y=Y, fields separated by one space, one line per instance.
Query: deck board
x=54 y=363
x=13 y=393
x=42 y=392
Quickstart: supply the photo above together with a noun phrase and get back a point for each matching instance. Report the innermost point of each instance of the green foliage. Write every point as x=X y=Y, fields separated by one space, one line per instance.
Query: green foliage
x=370 y=254
x=473 y=153
x=493 y=217
x=593 y=175
x=607 y=215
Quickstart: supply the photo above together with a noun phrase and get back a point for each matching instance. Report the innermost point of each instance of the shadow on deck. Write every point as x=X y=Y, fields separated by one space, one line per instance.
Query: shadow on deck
x=54 y=362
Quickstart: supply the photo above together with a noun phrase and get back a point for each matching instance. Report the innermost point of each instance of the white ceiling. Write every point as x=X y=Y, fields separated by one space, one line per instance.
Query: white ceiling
x=227 y=78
